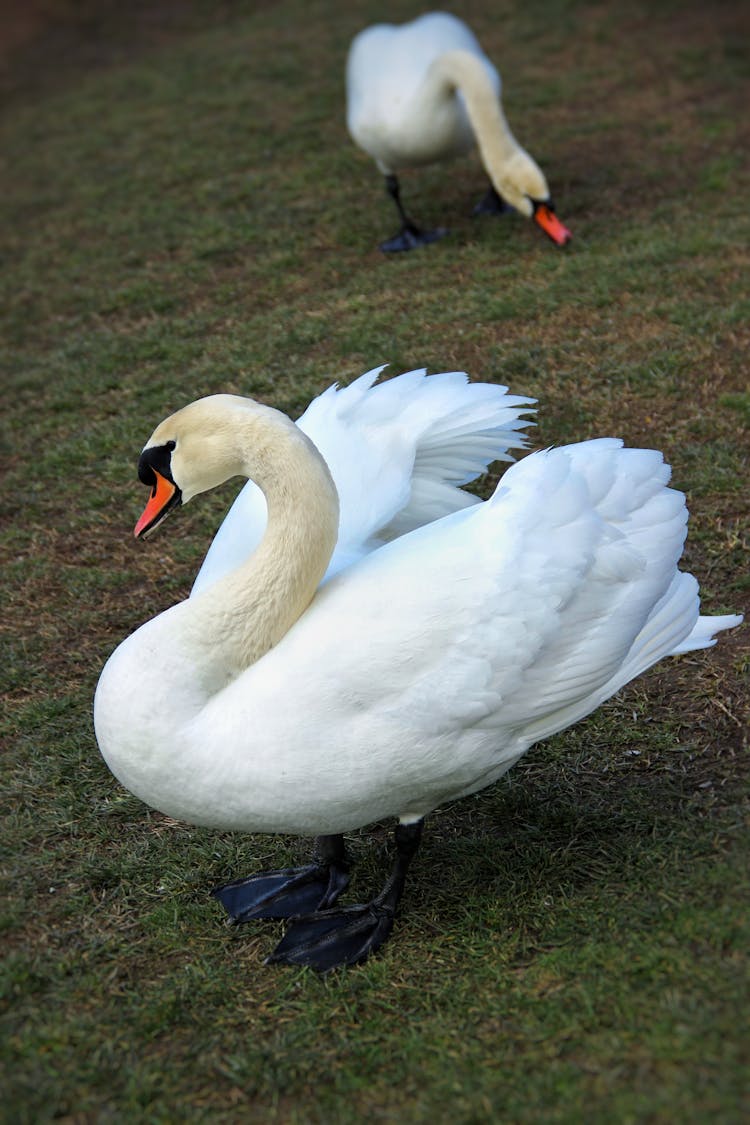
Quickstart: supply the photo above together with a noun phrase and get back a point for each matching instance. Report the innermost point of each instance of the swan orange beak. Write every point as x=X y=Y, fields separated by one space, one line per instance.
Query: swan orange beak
x=164 y=496
x=551 y=225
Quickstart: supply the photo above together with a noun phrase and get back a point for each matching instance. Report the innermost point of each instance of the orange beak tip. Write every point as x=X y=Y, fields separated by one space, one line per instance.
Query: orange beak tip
x=552 y=226
x=159 y=503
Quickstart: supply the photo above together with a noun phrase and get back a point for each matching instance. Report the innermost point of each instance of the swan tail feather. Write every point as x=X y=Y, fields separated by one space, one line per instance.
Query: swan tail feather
x=703 y=634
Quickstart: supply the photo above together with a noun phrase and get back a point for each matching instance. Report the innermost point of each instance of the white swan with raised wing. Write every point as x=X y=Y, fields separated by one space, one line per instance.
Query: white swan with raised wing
x=414 y=676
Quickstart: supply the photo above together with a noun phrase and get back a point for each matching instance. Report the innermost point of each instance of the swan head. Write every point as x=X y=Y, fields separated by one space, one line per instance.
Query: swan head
x=200 y=447
x=522 y=184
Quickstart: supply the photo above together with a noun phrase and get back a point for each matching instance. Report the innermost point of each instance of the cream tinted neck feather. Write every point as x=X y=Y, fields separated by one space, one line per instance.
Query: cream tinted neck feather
x=248 y=612
x=466 y=72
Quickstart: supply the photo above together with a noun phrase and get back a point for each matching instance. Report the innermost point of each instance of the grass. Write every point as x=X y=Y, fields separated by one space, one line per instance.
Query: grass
x=183 y=213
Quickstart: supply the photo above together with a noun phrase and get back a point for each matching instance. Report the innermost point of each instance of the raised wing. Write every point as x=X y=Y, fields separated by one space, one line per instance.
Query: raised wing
x=398 y=453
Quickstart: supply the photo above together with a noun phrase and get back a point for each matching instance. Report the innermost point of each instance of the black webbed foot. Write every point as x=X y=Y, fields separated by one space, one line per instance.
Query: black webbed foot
x=282 y=894
x=492 y=203
x=292 y=890
x=410 y=237
x=330 y=938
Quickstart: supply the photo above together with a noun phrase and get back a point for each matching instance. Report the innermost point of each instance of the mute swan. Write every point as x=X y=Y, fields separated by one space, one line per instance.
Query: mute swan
x=417 y=675
x=425 y=91
x=396 y=452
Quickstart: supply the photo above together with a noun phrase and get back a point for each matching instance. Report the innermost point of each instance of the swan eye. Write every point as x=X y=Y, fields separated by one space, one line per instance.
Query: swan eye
x=156 y=459
x=155 y=471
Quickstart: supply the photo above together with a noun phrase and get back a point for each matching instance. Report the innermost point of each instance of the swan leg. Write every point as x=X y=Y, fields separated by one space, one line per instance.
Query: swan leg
x=492 y=203
x=292 y=890
x=347 y=936
x=410 y=236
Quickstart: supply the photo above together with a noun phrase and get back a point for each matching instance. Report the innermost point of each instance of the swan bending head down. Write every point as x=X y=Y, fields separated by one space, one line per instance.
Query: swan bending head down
x=425 y=91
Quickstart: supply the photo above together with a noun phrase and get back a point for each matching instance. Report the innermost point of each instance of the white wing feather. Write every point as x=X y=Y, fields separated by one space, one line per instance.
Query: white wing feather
x=398 y=453
x=449 y=651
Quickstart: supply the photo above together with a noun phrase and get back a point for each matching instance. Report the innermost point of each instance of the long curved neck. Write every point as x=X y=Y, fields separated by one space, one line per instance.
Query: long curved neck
x=242 y=616
x=160 y=678
x=464 y=71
